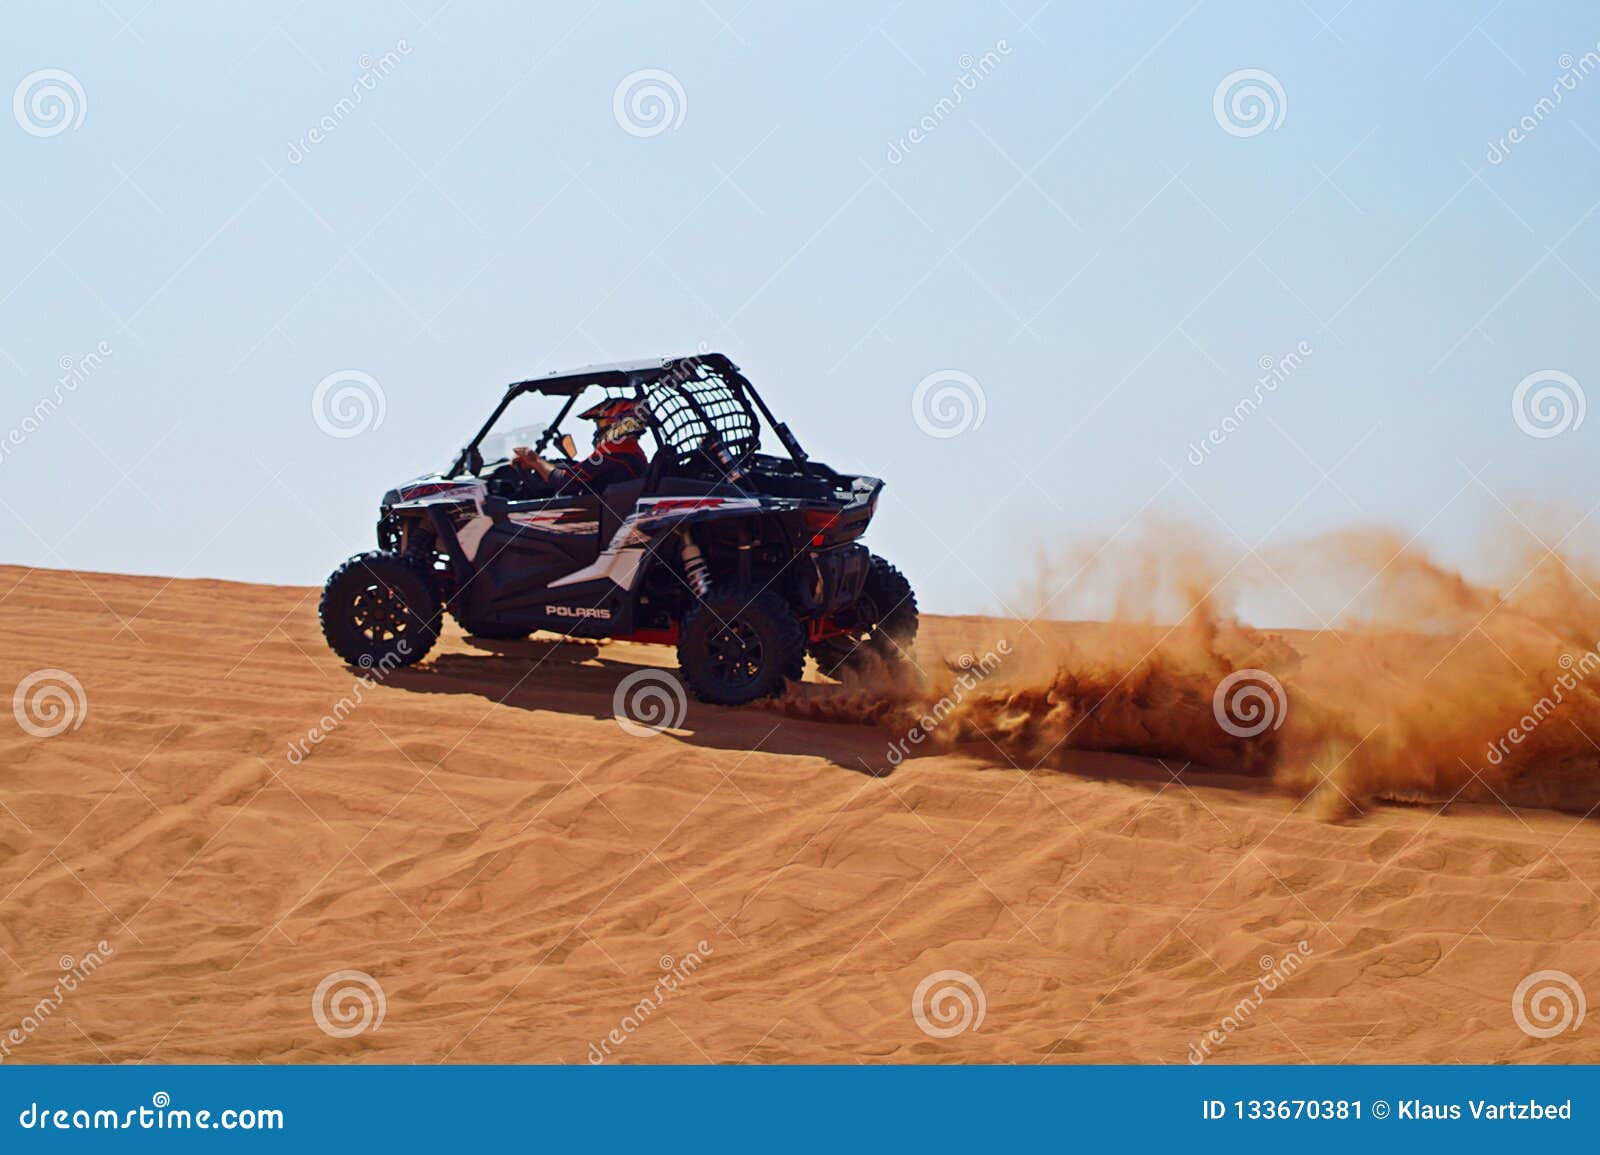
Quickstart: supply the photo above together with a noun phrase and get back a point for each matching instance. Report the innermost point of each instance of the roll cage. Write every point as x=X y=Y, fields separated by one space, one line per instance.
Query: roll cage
x=695 y=406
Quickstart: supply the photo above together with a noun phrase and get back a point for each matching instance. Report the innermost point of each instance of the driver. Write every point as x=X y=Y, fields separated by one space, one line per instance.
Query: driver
x=617 y=455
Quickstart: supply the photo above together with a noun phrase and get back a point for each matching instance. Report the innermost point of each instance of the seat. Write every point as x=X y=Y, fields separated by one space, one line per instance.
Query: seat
x=664 y=458
x=617 y=503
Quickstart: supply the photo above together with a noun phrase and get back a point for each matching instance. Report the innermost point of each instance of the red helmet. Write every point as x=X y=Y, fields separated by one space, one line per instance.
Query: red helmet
x=617 y=417
x=611 y=409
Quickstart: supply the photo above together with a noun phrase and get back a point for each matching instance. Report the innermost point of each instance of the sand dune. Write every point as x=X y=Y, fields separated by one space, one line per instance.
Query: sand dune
x=517 y=873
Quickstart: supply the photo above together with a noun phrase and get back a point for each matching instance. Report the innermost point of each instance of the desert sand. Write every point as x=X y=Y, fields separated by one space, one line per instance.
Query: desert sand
x=516 y=872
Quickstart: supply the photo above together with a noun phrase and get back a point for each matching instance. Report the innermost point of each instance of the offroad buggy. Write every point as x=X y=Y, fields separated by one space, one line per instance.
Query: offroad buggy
x=744 y=560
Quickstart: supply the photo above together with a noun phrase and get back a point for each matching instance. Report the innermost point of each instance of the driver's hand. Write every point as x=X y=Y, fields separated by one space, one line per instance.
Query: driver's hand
x=522 y=457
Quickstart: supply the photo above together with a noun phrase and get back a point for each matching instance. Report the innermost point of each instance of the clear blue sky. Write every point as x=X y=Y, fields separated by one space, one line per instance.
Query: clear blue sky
x=1079 y=234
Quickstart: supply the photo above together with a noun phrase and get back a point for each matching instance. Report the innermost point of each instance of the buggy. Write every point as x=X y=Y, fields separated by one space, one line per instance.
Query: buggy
x=745 y=561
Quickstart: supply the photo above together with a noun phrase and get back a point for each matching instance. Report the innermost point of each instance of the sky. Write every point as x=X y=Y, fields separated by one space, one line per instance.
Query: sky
x=1058 y=272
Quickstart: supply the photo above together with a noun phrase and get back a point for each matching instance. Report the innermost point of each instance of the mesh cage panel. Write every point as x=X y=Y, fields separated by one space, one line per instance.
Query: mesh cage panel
x=694 y=394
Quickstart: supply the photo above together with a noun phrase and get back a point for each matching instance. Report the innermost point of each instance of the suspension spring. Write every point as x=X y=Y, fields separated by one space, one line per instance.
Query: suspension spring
x=695 y=568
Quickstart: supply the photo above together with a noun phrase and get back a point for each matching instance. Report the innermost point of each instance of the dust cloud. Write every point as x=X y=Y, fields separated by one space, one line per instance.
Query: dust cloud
x=1418 y=685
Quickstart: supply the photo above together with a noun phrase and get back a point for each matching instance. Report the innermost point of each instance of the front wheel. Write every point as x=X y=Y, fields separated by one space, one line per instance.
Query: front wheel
x=380 y=609
x=737 y=645
x=879 y=625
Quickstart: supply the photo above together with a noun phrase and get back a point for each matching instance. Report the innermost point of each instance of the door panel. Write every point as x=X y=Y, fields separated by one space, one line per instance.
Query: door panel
x=534 y=543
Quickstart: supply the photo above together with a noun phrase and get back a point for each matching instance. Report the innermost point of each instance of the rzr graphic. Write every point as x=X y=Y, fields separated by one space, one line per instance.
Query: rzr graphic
x=744 y=560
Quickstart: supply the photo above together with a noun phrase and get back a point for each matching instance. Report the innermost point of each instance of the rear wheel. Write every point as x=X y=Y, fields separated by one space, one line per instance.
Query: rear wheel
x=380 y=609
x=881 y=624
x=737 y=645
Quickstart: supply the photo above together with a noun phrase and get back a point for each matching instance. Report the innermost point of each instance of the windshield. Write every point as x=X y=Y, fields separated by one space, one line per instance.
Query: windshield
x=521 y=424
x=499 y=444
x=524 y=421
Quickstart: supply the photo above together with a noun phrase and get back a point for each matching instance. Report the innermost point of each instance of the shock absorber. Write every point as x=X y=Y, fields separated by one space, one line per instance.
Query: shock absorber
x=694 y=566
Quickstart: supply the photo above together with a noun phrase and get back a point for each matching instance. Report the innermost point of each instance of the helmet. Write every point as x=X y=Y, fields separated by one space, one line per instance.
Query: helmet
x=618 y=418
x=611 y=409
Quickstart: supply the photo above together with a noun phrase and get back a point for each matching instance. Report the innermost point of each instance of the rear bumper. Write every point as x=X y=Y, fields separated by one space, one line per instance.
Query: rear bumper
x=830 y=579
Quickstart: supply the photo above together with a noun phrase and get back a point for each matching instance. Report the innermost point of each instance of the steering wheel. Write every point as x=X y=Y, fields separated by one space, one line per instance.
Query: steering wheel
x=506 y=481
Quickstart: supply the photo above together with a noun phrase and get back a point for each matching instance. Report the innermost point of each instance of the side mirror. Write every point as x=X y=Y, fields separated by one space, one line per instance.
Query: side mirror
x=568 y=446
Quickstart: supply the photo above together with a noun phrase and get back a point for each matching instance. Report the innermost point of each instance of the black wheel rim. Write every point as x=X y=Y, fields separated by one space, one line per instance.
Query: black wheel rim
x=861 y=626
x=379 y=613
x=863 y=621
x=737 y=655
